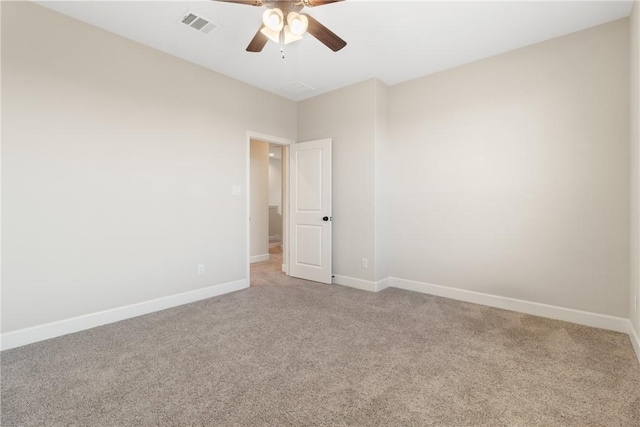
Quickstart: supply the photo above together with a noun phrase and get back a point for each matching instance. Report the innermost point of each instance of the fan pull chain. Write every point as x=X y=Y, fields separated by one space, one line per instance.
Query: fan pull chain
x=282 y=43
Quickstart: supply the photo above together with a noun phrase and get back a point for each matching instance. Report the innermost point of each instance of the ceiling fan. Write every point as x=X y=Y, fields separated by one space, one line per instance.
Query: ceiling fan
x=283 y=23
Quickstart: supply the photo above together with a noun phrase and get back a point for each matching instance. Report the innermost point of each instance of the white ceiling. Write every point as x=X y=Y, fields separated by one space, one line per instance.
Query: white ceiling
x=394 y=41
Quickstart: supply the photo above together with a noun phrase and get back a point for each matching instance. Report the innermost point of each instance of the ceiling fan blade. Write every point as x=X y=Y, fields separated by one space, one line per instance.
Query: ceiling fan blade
x=257 y=43
x=246 y=2
x=314 y=3
x=325 y=35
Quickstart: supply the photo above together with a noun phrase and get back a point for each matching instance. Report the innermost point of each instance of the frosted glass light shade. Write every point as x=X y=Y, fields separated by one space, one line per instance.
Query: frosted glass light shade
x=297 y=23
x=273 y=19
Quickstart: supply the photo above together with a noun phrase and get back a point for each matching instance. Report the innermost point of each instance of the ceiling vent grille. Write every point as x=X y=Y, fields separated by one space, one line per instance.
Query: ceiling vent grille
x=197 y=22
x=296 y=88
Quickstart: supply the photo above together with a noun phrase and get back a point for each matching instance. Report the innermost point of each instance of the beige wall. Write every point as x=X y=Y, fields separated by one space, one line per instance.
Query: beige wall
x=356 y=118
x=382 y=189
x=259 y=199
x=348 y=117
x=118 y=164
x=510 y=175
x=507 y=176
x=635 y=166
x=275 y=183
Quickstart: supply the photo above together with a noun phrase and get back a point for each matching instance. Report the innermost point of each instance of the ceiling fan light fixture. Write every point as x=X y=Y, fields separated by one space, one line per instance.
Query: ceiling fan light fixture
x=297 y=23
x=273 y=19
x=282 y=23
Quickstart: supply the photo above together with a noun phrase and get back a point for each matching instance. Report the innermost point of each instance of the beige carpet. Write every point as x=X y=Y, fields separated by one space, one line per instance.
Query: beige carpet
x=289 y=352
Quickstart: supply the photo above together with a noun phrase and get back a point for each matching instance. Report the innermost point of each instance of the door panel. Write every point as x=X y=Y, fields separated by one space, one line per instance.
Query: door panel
x=309 y=180
x=310 y=210
x=309 y=244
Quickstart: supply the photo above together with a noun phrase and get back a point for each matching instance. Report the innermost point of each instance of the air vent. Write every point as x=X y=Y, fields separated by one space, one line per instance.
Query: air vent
x=296 y=88
x=197 y=22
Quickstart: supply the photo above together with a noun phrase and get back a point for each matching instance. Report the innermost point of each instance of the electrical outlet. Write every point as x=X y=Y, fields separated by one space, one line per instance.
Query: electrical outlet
x=200 y=269
x=365 y=263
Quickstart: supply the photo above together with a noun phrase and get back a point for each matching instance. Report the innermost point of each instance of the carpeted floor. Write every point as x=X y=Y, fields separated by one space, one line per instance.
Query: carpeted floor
x=290 y=352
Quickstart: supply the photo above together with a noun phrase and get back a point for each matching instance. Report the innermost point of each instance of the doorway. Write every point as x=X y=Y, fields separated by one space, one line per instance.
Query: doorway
x=275 y=195
x=267 y=204
x=305 y=242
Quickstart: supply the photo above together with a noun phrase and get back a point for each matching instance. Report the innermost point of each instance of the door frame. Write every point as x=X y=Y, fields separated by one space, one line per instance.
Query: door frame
x=285 y=143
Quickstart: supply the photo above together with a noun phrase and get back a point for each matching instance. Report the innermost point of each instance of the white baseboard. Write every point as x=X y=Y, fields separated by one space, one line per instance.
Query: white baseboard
x=363 y=285
x=383 y=284
x=352 y=282
x=635 y=340
x=586 y=318
x=51 y=330
x=285 y=269
x=63 y=327
x=259 y=258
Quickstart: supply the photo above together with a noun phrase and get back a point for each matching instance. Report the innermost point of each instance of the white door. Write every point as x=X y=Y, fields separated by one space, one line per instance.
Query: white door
x=310 y=210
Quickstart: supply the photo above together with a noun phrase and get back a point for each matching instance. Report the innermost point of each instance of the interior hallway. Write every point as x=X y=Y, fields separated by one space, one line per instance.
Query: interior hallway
x=269 y=273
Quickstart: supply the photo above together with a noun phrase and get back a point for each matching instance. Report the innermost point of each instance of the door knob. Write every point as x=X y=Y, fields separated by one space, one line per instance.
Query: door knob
x=325 y=218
